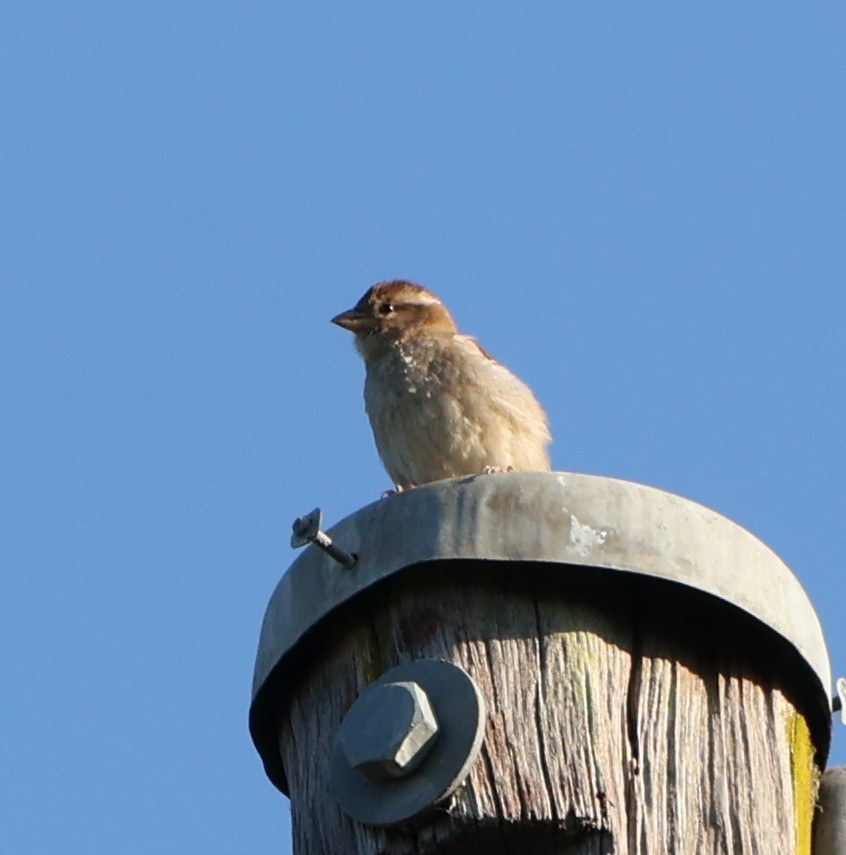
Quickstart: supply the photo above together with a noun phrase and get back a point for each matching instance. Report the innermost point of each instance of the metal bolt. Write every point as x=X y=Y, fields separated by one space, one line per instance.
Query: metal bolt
x=389 y=730
x=306 y=529
x=389 y=765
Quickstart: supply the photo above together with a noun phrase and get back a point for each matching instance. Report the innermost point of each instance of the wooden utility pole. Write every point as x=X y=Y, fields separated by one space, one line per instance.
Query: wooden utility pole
x=639 y=675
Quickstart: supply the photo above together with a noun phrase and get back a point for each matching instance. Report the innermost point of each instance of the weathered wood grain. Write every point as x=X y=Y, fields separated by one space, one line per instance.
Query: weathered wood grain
x=620 y=721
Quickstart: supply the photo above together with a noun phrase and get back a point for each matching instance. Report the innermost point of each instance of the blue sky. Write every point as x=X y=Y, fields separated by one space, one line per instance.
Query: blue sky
x=640 y=209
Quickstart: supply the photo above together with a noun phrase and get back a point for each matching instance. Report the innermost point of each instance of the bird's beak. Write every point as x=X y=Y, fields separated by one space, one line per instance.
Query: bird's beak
x=353 y=320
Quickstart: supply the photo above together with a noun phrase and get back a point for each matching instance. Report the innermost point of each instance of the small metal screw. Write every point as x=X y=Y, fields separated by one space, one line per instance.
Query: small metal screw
x=306 y=529
x=389 y=730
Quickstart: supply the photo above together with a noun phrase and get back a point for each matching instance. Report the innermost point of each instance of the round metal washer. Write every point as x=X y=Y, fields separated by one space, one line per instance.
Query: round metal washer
x=460 y=710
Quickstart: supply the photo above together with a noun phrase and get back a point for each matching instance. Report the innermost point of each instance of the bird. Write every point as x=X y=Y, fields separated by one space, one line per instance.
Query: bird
x=439 y=405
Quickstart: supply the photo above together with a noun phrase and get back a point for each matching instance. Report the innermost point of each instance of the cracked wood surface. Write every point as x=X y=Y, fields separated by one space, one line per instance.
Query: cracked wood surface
x=619 y=721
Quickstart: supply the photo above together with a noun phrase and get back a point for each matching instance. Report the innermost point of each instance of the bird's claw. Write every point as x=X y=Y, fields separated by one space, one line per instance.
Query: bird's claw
x=398 y=488
x=493 y=470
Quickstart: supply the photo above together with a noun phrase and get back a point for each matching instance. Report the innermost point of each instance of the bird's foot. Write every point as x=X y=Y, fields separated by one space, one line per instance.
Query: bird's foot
x=398 y=488
x=493 y=470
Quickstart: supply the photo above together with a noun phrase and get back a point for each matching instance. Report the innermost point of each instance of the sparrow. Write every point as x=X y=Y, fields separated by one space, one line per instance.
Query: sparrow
x=440 y=406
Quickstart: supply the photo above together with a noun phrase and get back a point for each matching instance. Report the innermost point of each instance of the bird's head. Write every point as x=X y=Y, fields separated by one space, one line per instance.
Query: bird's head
x=391 y=311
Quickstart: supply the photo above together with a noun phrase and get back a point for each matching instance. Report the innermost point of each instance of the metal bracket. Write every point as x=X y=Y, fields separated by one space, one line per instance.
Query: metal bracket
x=838 y=702
x=830 y=820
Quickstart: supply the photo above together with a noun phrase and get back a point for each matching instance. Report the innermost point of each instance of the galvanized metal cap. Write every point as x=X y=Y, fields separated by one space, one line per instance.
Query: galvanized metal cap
x=551 y=518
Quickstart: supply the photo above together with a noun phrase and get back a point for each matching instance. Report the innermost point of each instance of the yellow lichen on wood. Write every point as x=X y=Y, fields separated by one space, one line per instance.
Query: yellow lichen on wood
x=806 y=779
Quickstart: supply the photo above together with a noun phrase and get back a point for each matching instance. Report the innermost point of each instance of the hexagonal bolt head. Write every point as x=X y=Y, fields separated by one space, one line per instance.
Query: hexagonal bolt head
x=388 y=731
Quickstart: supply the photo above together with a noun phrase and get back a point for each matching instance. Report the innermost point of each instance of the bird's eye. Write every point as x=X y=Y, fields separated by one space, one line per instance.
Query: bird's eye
x=387 y=308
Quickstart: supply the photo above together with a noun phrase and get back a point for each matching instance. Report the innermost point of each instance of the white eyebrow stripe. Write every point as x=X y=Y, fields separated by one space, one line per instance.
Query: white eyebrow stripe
x=424 y=299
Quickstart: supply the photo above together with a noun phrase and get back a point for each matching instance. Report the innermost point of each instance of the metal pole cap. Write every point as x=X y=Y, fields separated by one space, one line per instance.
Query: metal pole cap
x=407 y=743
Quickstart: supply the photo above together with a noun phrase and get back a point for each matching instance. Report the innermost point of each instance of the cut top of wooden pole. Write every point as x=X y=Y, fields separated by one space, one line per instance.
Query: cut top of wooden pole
x=515 y=573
